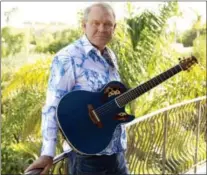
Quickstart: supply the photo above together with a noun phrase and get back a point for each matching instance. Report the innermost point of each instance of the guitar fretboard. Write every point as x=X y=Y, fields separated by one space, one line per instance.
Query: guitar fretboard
x=130 y=95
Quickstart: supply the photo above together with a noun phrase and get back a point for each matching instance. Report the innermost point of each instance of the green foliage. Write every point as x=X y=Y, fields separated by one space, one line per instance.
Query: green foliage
x=191 y=83
x=199 y=49
x=12 y=42
x=57 y=41
x=189 y=36
x=42 y=41
x=148 y=26
x=26 y=90
x=32 y=77
x=13 y=161
x=22 y=101
x=147 y=29
x=143 y=58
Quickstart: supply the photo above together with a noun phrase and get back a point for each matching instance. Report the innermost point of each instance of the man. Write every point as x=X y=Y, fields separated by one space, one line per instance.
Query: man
x=86 y=64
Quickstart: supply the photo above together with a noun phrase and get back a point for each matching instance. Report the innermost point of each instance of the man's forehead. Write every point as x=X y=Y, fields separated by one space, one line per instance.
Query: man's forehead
x=105 y=19
x=98 y=10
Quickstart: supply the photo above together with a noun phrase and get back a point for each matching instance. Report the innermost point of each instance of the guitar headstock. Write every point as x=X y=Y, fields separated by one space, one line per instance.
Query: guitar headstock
x=186 y=63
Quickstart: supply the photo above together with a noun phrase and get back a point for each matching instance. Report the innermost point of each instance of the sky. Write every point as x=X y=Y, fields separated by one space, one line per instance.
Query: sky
x=66 y=12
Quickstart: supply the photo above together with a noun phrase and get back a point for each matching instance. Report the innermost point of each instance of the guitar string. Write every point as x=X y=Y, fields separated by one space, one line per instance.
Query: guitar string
x=106 y=106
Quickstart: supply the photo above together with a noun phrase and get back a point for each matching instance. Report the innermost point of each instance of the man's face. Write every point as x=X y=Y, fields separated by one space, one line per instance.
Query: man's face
x=99 y=27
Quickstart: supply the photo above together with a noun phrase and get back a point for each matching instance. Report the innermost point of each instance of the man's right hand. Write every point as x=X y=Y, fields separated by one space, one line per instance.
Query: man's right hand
x=44 y=162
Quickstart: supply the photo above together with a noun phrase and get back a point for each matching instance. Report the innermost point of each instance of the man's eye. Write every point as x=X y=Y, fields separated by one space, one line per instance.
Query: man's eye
x=96 y=23
x=108 y=24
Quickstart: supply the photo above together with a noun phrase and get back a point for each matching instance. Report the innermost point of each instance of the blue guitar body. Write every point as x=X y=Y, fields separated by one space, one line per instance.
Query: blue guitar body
x=89 y=119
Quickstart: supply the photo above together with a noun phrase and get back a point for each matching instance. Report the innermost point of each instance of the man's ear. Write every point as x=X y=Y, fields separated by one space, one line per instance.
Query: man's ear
x=84 y=24
x=114 y=26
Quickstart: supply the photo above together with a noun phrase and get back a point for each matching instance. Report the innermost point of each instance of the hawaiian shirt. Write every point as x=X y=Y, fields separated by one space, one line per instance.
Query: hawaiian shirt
x=78 y=66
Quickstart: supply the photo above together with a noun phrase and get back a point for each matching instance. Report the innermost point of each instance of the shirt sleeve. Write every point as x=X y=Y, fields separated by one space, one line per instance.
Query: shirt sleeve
x=61 y=81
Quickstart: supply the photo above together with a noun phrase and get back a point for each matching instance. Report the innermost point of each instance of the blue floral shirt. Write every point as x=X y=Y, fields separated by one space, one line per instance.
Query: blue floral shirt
x=78 y=66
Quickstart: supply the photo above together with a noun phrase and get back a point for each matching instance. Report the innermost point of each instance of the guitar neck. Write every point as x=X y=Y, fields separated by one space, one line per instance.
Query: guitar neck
x=132 y=94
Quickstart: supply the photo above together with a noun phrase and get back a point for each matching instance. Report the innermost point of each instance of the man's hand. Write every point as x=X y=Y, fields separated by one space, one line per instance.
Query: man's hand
x=44 y=162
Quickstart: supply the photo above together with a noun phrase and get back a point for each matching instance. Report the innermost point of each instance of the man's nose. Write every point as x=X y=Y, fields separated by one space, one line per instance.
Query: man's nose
x=101 y=28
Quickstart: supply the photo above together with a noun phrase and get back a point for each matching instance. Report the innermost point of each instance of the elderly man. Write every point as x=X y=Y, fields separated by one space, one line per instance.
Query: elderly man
x=86 y=64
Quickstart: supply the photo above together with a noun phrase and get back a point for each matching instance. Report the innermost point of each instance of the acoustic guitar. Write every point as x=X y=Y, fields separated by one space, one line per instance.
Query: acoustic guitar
x=89 y=119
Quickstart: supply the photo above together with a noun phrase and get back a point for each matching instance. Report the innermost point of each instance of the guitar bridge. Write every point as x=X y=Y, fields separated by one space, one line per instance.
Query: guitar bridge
x=94 y=117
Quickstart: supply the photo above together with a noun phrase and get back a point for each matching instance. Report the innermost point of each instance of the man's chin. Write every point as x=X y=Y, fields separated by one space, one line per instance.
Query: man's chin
x=102 y=41
x=101 y=38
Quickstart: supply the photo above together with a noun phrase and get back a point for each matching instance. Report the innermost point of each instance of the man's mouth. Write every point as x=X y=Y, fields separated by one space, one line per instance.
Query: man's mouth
x=101 y=37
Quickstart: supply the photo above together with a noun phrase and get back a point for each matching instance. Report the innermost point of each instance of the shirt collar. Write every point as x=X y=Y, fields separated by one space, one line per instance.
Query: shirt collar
x=88 y=46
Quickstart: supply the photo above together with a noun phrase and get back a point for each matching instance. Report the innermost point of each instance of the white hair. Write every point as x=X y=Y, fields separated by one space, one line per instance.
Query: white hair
x=100 y=4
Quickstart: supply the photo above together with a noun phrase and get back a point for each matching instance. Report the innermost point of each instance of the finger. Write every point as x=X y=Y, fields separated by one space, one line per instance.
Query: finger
x=33 y=166
x=34 y=171
x=29 y=168
x=46 y=169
